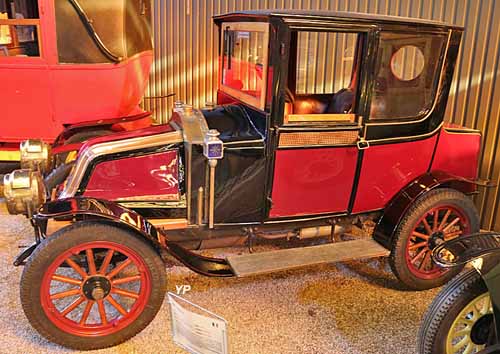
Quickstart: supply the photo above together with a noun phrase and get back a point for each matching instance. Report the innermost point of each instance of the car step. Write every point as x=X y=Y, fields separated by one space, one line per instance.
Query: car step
x=273 y=261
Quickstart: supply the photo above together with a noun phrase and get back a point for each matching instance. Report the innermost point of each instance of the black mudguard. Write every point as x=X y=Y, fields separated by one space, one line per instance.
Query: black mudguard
x=115 y=213
x=483 y=250
x=399 y=205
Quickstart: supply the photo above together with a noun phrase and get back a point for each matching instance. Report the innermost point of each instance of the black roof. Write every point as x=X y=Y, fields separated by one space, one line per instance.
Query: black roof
x=335 y=15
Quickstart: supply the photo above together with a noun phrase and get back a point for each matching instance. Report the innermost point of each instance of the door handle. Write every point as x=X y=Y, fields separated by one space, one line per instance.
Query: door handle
x=363 y=144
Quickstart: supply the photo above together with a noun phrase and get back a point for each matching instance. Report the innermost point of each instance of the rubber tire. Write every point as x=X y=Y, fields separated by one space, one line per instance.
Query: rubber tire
x=444 y=309
x=71 y=236
x=397 y=260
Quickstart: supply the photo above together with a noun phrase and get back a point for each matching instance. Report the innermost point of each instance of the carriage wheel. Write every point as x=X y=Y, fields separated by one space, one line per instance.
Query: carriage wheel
x=460 y=319
x=438 y=216
x=92 y=286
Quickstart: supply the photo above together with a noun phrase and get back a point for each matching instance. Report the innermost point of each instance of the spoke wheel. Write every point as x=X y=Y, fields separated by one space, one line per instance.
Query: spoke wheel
x=437 y=216
x=469 y=332
x=96 y=288
x=460 y=319
x=92 y=286
x=437 y=225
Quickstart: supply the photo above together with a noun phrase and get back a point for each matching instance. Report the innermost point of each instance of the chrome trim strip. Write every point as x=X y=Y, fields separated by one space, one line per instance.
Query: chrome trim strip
x=406 y=138
x=84 y=160
x=243 y=142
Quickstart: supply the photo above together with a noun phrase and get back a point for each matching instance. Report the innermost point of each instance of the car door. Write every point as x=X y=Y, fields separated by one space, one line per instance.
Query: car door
x=316 y=153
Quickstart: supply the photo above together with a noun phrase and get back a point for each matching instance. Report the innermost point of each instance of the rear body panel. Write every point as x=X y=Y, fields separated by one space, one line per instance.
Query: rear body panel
x=457 y=152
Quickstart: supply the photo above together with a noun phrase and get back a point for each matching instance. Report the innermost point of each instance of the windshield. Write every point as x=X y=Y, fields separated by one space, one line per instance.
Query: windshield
x=123 y=26
x=244 y=61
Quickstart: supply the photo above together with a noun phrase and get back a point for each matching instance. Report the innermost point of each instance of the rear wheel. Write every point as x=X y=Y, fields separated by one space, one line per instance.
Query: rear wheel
x=92 y=286
x=438 y=216
x=460 y=319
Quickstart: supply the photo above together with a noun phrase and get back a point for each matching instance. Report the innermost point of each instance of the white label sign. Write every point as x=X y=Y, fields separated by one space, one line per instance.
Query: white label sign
x=198 y=334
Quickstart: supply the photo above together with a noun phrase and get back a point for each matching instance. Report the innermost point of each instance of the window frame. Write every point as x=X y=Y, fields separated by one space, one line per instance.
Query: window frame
x=15 y=42
x=440 y=71
x=259 y=103
x=331 y=119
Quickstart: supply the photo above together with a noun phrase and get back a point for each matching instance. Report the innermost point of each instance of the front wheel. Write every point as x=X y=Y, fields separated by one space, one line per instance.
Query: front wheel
x=460 y=319
x=439 y=215
x=91 y=286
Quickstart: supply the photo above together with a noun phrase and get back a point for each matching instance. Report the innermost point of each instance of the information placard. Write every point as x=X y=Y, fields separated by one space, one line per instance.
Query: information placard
x=200 y=332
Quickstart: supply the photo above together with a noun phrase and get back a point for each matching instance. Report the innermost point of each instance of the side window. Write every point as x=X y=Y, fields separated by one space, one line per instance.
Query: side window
x=244 y=61
x=323 y=88
x=407 y=75
x=19 y=28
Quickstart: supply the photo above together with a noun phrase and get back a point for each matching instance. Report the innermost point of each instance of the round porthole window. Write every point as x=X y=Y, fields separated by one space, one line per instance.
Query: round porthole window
x=407 y=63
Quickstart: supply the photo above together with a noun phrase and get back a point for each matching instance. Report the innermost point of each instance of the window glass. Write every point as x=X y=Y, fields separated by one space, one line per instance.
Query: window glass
x=19 y=28
x=244 y=65
x=407 y=74
x=324 y=61
x=322 y=86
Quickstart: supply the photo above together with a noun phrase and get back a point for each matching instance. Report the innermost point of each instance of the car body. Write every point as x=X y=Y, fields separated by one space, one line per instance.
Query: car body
x=320 y=121
x=70 y=76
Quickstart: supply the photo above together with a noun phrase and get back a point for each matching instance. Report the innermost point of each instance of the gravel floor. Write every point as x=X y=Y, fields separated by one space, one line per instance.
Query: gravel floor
x=350 y=307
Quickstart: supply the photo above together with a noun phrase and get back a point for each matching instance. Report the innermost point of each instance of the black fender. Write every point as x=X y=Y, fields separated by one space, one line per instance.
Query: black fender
x=129 y=219
x=398 y=206
x=72 y=129
x=462 y=250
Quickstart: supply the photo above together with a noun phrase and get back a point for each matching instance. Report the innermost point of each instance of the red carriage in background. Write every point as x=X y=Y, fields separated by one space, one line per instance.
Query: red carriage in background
x=69 y=74
x=323 y=119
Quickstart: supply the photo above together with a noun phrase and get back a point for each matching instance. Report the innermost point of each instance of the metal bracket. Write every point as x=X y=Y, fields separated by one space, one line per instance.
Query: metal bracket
x=363 y=144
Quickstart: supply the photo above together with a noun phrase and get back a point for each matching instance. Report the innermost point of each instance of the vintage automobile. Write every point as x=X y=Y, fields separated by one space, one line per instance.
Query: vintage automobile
x=464 y=317
x=69 y=74
x=322 y=119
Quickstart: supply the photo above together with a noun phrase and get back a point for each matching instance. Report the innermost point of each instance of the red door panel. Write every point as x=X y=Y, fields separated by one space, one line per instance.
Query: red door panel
x=313 y=181
x=388 y=168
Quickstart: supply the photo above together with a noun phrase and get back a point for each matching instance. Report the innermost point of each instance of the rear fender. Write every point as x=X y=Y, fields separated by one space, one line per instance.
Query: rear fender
x=129 y=219
x=399 y=205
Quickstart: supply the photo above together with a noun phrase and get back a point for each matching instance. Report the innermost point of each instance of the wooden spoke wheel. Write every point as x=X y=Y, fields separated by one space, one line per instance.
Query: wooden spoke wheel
x=460 y=319
x=436 y=217
x=437 y=225
x=92 y=281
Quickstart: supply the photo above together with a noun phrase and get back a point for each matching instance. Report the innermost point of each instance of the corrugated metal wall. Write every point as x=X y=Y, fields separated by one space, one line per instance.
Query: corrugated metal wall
x=186 y=62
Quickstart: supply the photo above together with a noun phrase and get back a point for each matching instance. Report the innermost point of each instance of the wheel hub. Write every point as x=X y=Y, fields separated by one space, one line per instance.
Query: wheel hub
x=96 y=288
x=481 y=329
x=436 y=239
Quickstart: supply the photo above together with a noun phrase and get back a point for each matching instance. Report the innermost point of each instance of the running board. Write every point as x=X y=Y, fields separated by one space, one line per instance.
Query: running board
x=267 y=262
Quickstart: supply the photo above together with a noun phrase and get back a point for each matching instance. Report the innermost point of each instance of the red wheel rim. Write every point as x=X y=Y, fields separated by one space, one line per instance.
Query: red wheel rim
x=441 y=223
x=83 y=294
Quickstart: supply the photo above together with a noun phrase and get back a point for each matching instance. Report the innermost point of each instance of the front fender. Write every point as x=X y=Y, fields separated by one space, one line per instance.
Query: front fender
x=398 y=206
x=462 y=250
x=116 y=213
x=102 y=209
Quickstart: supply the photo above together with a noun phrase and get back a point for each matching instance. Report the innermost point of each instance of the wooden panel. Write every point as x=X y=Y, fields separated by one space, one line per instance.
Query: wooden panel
x=318 y=138
x=292 y=118
x=267 y=262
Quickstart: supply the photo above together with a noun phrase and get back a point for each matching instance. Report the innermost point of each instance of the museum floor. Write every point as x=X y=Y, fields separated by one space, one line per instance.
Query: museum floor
x=344 y=308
